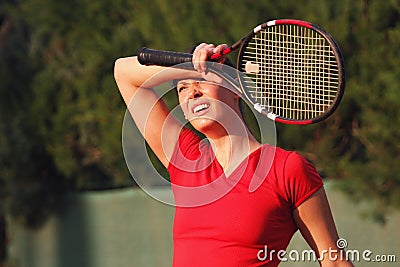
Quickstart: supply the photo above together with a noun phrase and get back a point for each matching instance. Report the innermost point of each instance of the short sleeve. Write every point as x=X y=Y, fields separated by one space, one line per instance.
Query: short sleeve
x=301 y=179
x=186 y=149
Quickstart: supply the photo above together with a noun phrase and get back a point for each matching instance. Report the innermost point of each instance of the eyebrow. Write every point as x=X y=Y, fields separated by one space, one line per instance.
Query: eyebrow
x=190 y=80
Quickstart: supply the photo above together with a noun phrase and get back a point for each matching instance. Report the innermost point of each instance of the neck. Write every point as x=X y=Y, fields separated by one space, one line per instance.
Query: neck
x=231 y=149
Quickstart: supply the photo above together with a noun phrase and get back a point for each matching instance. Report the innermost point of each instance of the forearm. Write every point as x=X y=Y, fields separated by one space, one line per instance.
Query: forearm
x=129 y=70
x=315 y=222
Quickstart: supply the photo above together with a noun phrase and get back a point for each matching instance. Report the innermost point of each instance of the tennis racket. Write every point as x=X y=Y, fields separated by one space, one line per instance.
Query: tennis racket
x=292 y=71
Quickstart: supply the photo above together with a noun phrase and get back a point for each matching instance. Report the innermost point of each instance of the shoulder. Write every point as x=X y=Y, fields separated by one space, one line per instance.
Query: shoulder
x=289 y=160
x=281 y=156
x=298 y=166
x=189 y=148
x=297 y=178
x=189 y=141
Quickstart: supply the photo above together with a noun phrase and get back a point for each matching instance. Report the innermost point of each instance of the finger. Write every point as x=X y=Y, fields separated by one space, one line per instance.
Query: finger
x=196 y=56
x=219 y=50
x=204 y=54
x=201 y=55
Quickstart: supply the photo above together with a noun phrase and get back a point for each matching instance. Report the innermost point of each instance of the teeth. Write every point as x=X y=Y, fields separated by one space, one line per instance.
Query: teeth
x=200 y=107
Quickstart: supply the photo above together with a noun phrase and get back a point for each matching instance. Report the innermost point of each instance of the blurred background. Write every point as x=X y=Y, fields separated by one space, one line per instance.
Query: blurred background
x=66 y=195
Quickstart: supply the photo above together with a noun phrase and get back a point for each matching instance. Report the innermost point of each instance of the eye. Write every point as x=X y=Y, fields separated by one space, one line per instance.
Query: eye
x=182 y=88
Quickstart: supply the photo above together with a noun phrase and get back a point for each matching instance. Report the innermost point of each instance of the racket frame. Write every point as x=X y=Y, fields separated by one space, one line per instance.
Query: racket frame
x=338 y=56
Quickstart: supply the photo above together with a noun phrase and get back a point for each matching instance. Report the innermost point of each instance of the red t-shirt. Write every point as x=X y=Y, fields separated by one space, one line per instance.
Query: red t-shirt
x=228 y=221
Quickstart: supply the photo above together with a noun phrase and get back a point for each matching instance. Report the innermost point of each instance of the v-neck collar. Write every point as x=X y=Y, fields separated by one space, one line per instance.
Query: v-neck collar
x=239 y=166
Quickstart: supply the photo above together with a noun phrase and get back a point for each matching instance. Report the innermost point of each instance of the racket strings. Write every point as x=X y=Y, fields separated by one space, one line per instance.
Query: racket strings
x=295 y=74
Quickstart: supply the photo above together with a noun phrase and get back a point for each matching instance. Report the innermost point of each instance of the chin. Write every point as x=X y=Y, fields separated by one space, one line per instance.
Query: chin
x=205 y=125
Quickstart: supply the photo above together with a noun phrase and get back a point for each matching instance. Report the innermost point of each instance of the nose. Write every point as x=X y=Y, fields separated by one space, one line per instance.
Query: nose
x=194 y=90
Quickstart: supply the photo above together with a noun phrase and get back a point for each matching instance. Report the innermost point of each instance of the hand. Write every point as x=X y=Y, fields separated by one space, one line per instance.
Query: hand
x=203 y=52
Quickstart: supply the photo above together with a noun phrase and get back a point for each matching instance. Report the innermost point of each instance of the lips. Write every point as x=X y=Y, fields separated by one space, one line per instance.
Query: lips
x=200 y=108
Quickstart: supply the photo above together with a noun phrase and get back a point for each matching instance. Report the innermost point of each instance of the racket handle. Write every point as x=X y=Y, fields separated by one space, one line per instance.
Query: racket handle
x=147 y=56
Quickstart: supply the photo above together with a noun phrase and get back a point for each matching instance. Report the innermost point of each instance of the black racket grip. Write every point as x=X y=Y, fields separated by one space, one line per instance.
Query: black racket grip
x=147 y=56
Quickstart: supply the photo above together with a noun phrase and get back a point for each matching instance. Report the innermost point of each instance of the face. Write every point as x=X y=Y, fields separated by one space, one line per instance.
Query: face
x=207 y=105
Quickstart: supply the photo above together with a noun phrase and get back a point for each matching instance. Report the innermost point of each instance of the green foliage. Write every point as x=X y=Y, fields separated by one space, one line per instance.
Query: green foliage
x=374 y=167
x=61 y=113
x=29 y=181
x=77 y=90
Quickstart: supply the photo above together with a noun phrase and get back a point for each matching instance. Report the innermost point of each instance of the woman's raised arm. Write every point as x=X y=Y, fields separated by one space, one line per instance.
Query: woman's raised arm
x=151 y=115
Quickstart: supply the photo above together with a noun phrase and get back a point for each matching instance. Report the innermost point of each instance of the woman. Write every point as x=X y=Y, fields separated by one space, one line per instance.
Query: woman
x=218 y=220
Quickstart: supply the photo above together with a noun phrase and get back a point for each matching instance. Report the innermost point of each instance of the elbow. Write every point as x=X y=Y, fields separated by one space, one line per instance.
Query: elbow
x=125 y=70
x=119 y=69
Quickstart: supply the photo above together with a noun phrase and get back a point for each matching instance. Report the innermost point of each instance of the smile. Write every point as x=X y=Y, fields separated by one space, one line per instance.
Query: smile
x=199 y=108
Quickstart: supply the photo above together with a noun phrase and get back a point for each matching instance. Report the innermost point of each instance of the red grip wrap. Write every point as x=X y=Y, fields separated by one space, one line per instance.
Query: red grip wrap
x=223 y=53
